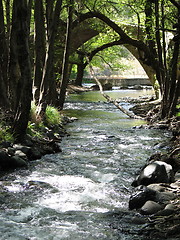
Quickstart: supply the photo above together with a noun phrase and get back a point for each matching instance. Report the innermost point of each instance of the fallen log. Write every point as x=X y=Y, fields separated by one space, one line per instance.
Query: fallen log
x=108 y=98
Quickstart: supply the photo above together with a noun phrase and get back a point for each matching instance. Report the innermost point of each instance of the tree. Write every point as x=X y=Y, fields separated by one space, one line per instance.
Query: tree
x=20 y=64
x=152 y=53
x=65 y=72
x=3 y=61
x=47 y=91
x=39 y=46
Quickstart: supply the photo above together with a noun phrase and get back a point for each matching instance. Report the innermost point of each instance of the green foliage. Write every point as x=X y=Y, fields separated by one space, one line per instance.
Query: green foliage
x=111 y=59
x=178 y=109
x=37 y=125
x=5 y=133
x=35 y=129
x=33 y=115
x=52 y=116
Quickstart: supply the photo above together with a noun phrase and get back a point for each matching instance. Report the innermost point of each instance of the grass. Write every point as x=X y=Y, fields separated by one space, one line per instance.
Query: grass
x=37 y=125
x=52 y=116
x=5 y=133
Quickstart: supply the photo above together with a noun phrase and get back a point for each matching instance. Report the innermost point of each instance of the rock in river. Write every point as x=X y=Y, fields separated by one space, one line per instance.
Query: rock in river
x=150 y=207
x=155 y=172
x=141 y=196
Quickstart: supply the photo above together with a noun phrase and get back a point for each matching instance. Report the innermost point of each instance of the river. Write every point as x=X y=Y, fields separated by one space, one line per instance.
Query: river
x=83 y=192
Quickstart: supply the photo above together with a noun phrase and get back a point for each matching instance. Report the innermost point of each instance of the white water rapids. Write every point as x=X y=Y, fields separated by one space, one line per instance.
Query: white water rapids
x=83 y=192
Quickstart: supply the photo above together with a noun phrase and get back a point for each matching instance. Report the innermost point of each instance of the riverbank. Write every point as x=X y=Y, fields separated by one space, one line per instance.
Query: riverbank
x=158 y=202
x=15 y=155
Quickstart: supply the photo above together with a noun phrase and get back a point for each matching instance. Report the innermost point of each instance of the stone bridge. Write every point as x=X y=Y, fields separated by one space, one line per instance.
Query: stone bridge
x=122 y=82
x=84 y=32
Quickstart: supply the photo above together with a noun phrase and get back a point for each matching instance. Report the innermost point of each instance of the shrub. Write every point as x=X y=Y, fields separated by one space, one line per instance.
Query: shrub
x=52 y=116
x=5 y=133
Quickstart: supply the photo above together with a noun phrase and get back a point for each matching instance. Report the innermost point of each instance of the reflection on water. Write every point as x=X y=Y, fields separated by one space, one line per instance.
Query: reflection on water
x=93 y=96
x=83 y=192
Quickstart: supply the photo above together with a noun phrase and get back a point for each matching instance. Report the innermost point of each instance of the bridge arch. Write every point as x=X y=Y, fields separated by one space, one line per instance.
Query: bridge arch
x=136 y=47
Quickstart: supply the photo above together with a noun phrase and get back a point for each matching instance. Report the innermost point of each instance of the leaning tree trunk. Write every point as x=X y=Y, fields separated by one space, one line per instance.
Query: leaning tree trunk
x=108 y=98
x=23 y=86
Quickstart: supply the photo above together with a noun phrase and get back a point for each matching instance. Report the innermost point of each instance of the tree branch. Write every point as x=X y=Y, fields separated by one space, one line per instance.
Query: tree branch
x=108 y=98
x=176 y=4
x=124 y=38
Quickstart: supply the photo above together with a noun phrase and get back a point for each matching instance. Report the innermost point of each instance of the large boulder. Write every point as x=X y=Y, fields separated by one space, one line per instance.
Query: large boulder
x=155 y=172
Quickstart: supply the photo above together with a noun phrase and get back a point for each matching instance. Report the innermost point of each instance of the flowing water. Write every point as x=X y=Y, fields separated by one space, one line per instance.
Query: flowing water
x=83 y=192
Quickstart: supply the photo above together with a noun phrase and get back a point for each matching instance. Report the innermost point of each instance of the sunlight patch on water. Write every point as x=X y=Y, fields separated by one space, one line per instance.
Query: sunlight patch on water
x=14 y=187
x=129 y=146
x=148 y=138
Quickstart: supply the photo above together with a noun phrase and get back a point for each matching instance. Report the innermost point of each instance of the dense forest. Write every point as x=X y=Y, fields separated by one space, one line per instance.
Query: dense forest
x=42 y=40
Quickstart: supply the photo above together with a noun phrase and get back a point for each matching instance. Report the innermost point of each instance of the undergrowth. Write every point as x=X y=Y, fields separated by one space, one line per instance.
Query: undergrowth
x=178 y=110
x=5 y=133
x=38 y=125
x=5 y=128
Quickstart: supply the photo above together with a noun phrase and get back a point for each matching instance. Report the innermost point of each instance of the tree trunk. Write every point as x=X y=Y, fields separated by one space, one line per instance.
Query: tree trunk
x=48 y=85
x=172 y=82
x=80 y=71
x=39 y=46
x=3 y=61
x=174 y=89
x=64 y=81
x=8 y=21
x=23 y=86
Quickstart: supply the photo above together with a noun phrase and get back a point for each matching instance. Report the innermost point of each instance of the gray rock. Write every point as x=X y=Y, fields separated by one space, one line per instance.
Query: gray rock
x=141 y=195
x=19 y=162
x=165 y=197
x=6 y=162
x=155 y=172
x=24 y=149
x=150 y=207
x=157 y=187
x=170 y=206
x=19 y=153
x=35 y=153
x=168 y=210
x=11 y=151
x=139 y=220
x=164 y=212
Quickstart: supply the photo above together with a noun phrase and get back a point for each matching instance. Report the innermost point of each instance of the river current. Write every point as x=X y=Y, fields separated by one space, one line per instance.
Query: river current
x=83 y=192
